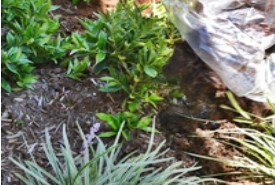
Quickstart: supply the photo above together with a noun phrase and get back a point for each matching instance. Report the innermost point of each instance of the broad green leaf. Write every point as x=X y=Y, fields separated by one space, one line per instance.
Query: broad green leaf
x=127 y=114
x=100 y=56
x=114 y=83
x=113 y=72
x=109 y=119
x=92 y=39
x=79 y=41
x=150 y=71
x=154 y=97
x=107 y=78
x=10 y=39
x=73 y=51
x=123 y=80
x=107 y=134
x=14 y=54
x=45 y=9
x=110 y=88
x=126 y=134
x=144 y=122
x=54 y=7
x=76 y=76
x=100 y=66
x=82 y=65
x=102 y=39
x=103 y=116
x=12 y=68
x=5 y=85
x=133 y=106
x=29 y=79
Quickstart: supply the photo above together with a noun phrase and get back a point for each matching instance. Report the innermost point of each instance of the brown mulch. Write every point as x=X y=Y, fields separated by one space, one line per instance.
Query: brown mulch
x=57 y=100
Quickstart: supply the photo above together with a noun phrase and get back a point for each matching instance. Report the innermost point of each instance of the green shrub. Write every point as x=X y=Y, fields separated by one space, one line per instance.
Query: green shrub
x=132 y=48
x=31 y=38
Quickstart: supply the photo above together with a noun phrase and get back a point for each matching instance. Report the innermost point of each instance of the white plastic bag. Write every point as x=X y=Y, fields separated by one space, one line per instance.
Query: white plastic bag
x=231 y=37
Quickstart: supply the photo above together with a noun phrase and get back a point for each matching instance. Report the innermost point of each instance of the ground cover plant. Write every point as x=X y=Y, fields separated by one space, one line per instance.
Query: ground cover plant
x=132 y=121
x=105 y=167
x=133 y=49
x=31 y=38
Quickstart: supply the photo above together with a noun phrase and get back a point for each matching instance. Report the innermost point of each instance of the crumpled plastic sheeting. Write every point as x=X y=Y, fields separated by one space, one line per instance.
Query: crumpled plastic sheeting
x=231 y=37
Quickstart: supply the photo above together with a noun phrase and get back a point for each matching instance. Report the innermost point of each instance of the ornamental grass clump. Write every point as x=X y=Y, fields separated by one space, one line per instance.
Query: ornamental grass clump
x=257 y=145
x=105 y=167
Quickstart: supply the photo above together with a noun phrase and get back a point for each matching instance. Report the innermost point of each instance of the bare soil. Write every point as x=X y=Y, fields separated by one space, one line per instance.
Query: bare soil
x=56 y=100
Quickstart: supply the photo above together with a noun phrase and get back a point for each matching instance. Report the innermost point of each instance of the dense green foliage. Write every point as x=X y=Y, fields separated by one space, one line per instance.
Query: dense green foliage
x=133 y=48
x=130 y=48
x=31 y=38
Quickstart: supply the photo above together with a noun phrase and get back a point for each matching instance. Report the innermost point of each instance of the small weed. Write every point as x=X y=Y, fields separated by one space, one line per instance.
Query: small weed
x=131 y=121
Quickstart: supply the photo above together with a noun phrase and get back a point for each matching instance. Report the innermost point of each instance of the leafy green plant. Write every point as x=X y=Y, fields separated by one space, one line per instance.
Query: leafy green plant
x=131 y=121
x=132 y=48
x=105 y=167
x=76 y=68
x=31 y=38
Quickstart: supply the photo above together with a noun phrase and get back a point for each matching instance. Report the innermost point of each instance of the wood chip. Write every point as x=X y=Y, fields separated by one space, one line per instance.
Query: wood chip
x=18 y=134
x=93 y=81
x=18 y=99
x=12 y=141
x=31 y=148
x=6 y=120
